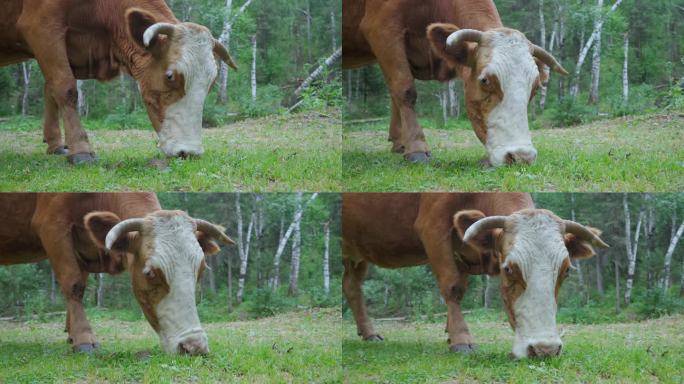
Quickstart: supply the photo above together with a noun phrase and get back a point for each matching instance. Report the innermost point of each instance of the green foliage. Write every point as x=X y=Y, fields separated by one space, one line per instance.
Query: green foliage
x=570 y=111
x=263 y=302
x=656 y=302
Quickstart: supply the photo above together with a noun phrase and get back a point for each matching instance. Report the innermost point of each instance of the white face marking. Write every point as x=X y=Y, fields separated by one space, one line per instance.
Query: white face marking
x=181 y=129
x=507 y=126
x=539 y=250
x=178 y=255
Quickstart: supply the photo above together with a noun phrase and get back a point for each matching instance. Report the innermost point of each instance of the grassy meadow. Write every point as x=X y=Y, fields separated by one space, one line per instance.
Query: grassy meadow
x=636 y=153
x=275 y=153
x=301 y=347
x=416 y=352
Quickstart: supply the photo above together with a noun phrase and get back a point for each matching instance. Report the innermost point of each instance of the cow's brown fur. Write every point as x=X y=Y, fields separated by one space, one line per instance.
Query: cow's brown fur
x=90 y=40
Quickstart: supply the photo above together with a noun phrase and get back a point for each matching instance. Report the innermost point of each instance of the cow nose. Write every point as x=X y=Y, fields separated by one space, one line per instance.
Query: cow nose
x=525 y=156
x=194 y=346
x=544 y=349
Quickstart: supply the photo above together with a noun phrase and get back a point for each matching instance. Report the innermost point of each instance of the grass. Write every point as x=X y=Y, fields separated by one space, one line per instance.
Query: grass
x=300 y=347
x=277 y=153
x=416 y=352
x=643 y=153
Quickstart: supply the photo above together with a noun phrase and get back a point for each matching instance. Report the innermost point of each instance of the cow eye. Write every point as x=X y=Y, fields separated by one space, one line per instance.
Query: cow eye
x=169 y=75
x=484 y=81
x=508 y=270
x=149 y=273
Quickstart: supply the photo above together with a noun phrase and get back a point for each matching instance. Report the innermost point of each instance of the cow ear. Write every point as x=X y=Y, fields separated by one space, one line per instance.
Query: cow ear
x=138 y=21
x=98 y=225
x=209 y=246
x=580 y=249
x=464 y=219
x=462 y=53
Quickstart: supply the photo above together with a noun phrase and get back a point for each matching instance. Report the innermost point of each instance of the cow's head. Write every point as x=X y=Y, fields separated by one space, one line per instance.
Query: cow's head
x=501 y=72
x=175 y=77
x=165 y=253
x=535 y=250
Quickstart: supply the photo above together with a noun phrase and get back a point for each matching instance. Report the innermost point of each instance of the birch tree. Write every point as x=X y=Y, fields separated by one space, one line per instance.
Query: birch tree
x=296 y=252
x=578 y=263
x=318 y=71
x=674 y=239
x=596 y=60
x=547 y=71
x=243 y=247
x=224 y=39
x=630 y=247
x=82 y=102
x=625 y=71
x=326 y=257
x=454 y=105
x=26 y=74
x=253 y=72
x=598 y=26
x=275 y=279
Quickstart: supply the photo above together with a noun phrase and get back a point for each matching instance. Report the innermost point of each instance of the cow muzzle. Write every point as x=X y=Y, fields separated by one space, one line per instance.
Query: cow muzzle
x=537 y=347
x=171 y=148
x=522 y=154
x=194 y=344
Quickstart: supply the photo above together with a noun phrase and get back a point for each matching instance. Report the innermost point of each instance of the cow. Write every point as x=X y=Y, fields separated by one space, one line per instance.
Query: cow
x=441 y=40
x=81 y=233
x=173 y=63
x=464 y=234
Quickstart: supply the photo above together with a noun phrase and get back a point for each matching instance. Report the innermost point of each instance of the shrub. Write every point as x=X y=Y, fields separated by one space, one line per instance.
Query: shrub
x=571 y=111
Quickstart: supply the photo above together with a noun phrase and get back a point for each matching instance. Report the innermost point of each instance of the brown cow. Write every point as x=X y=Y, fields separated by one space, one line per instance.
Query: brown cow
x=500 y=68
x=462 y=234
x=173 y=63
x=111 y=232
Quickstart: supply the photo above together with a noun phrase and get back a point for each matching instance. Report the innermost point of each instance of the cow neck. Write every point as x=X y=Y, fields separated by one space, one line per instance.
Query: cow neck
x=480 y=15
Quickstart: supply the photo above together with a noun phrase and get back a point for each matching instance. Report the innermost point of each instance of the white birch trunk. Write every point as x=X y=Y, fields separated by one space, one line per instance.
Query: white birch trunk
x=454 y=105
x=224 y=39
x=26 y=71
x=53 y=287
x=625 y=71
x=318 y=71
x=82 y=102
x=333 y=30
x=631 y=247
x=275 y=278
x=326 y=258
x=100 y=290
x=296 y=252
x=544 y=86
x=574 y=91
x=254 y=57
x=665 y=281
x=283 y=241
x=578 y=263
x=243 y=247
x=596 y=63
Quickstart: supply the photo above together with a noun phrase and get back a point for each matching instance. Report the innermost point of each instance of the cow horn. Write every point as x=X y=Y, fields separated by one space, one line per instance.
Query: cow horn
x=461 y=35
x=222 y=52
x=548 y=59
x=213 y=231
x=120 y=229
x=153 y=30
x=584 y=233
x=490 y=222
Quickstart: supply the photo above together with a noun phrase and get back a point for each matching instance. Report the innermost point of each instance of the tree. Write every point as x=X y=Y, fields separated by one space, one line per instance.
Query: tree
x=631 y=249
x=674 y=239
x=243 y=246
x=596 y=61
x=296 y=252
x=224 y=39
x=253 y=72
x=625 y=71
x=326 y=257
x=26 y=72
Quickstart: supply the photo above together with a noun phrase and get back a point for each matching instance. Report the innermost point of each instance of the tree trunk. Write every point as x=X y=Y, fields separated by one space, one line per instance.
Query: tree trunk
x=100 y=290
x=443 y=96
x=333 y=30
x=326 y=258
x=596 y=63
x=82 y=102
x=487 y=291
x=598 y=25
x=625 y=71
x=578 y=263
x=243 y=247
x=225 y=40
x=318 y=71
x=665 y=281
x=631 y=248
x=210 y=273
x=617 y=285
x=599 y=276
x=547 y=70
x=296 y=252
x=454 y=105
x=26 y=71
x=649 y=229
x=254 y=57
x=275 y=278
x=283 y=240
x=230 y=284
x=53 y=287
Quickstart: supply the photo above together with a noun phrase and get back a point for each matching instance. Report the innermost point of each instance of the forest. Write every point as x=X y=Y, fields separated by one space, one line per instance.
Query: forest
x=640 y=276
x=624 y=58
x=275 y=74
x=287 y=257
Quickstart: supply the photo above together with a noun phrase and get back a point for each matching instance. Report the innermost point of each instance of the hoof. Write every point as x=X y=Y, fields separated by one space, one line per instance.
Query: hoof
x=86 y=348
x=82 y=158
x=373 y=338
x=417 y=157
x=463 y=348
x=59 y=151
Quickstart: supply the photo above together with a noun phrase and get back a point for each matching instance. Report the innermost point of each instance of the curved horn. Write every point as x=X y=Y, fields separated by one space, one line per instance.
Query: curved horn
x=213 y=231
x=222 y=52
x=153 y=30
x=120 y=229
x=461 y=35
x=490 y=222
x=548 y=59
x=584 y=233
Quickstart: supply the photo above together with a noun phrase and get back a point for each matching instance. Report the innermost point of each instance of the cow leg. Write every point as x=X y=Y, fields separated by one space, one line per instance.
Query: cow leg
x=395 y=130
x=354 y=273
x=452 y=284
x=388 y=48
x=49 y=47
x=51 y=131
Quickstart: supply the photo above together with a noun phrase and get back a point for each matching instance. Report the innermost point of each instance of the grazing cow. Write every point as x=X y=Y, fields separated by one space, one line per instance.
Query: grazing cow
x=499 y=67
x=172 y=62
x=164 y=251
x=464 y=234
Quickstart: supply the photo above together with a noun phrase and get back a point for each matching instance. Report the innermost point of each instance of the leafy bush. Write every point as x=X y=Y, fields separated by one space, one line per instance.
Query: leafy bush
x=655 y=302
x=571 y=111
x=263 y=302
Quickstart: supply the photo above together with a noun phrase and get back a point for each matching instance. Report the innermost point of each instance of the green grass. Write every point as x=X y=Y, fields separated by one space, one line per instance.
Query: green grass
x=301 y=347
x=278 y=153
x=644 y=153
x=649 y=351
